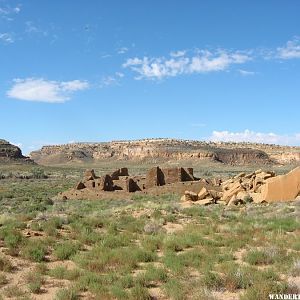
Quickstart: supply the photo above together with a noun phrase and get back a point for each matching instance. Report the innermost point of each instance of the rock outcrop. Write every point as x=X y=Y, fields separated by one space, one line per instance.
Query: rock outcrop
x=12 y=154
x=166 y=150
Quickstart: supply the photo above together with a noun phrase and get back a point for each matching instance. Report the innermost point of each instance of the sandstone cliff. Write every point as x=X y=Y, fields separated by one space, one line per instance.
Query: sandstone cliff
x=12 y=154
x=167 y=150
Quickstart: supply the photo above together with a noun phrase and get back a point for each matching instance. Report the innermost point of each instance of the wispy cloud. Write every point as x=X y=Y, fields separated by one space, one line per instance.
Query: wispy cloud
x=290 y=50
x=202 y=62
x=111 y=80
x=246 y=73
x=32 y=28
x=255 y=137
x=6 y=38
x=122 y=50
x=7 y=12
x=41 y=90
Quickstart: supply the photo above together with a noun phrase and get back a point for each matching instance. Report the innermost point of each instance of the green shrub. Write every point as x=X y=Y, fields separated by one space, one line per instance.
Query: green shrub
x=264 y=257
x=34 y=251
x=174 y=290
x=41 y=268
x=236 y=278
x=65 y=250
x=140 y=293
x=35 y=282
x=262 y=290
x=50 y=227
x=38 y=173
x=67 y=294
x=59 y=272
x=212 y=281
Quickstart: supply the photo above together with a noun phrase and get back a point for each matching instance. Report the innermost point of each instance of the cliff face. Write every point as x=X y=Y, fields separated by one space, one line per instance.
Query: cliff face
x=167 y=150
x=12 y=154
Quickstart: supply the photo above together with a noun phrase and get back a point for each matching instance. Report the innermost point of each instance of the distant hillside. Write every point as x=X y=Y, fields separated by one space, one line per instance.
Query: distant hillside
x=12 y=154
x=167 y=150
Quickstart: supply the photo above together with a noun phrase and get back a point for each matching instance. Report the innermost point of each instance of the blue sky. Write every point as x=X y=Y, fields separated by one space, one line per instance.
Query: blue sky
x=107 y=70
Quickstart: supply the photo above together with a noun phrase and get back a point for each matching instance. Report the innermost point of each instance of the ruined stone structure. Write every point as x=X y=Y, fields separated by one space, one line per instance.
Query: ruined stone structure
x=159 y=177
x=120 y=181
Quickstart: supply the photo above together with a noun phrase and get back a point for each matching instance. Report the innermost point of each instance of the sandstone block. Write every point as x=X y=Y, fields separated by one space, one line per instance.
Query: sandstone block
x=283 y=187
x=190 y=196
x=203 y=193
x=207 y=201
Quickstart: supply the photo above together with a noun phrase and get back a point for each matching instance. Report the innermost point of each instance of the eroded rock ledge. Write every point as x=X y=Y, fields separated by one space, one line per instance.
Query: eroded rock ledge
x=166 y=150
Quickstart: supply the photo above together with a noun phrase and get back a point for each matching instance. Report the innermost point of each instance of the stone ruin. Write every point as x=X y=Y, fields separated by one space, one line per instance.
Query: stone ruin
x=120 y=180
x=257 y=187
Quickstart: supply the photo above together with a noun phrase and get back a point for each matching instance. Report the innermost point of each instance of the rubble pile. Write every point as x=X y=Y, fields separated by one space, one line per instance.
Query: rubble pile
x=259 y=186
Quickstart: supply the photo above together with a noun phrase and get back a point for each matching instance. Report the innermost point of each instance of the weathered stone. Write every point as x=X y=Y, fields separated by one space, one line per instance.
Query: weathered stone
x=90 y=184
x=79 y=186
x=120 y=172
x=265 y=175
x=216 y=181
x=132 y=186
x=215 y=194
x=249 y=175
x=190 y=196
x=173 y=175
x=283 y=187
x=154 y=177
x=203 y=193
x=207 y=201
x=235 y=201
x=89 y=175
x=257 y=183
x=221 y=202
x=234 y=189
x=256 y=197
x=240 y=175
x=242 y=195
x=105 y=183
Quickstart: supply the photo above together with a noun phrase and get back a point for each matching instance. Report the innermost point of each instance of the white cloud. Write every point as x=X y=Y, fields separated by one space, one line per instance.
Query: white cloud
x=246 y=73
x=202 y=62
x=74 y=85
x=122 y=50
x=111 y=80
x=41 y=90
x=17 y=9
x=107 y=81
x=6 y=38
x=290 y=50
x=255 y=137
x=120 y=75
x=8 y=11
